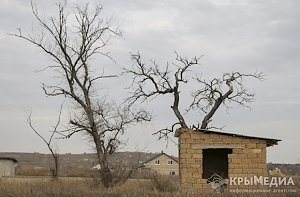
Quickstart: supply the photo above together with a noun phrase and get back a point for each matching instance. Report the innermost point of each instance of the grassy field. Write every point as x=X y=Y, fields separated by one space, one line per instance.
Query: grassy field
x=69 y=187
x=88 y=187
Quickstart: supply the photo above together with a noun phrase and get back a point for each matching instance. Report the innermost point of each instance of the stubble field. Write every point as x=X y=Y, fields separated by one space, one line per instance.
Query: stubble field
x=89 y=187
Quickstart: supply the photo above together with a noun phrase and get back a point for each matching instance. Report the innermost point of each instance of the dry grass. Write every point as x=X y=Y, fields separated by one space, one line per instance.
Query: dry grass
x=30 y=170
x=72 y=187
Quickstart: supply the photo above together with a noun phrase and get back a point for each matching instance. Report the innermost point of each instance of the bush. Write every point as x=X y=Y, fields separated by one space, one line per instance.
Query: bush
x=164 y=183
x=29 y=170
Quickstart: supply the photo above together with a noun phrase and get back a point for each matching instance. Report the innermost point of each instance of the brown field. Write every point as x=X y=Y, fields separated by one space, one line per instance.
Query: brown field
x=77 y=186
x=89 y=187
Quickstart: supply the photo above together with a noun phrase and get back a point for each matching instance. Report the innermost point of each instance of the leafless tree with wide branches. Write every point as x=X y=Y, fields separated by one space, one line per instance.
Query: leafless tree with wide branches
x=72 y=40
x=151 y=80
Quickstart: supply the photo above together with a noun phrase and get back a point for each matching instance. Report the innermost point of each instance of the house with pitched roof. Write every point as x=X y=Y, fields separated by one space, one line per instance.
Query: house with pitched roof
x=162 y=164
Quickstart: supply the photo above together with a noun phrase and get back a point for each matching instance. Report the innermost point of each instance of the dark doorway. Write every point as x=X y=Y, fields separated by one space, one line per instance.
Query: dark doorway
x=215 y=161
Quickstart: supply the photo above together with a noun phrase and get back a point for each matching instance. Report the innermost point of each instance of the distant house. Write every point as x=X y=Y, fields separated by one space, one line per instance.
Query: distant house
x=96 y=167
x=7 y=166
x=163 y=164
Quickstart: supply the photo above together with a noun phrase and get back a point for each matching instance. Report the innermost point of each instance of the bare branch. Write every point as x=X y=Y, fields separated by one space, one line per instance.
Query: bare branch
x=213 y=94
x=164 y=133
x=150 y=81
x=48 y=142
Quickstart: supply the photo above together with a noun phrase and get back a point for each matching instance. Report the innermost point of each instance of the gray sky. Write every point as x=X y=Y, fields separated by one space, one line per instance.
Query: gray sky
x=244 y=35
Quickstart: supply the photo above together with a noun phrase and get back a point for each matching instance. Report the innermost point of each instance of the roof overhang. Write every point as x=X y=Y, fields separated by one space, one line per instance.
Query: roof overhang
x=9 y=158
x=269 y=141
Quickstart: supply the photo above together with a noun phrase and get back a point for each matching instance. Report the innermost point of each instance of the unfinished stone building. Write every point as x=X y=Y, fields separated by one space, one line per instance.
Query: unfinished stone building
x=204 y=154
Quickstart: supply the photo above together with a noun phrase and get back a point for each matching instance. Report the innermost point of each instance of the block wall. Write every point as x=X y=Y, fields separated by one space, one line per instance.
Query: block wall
x=248 y=158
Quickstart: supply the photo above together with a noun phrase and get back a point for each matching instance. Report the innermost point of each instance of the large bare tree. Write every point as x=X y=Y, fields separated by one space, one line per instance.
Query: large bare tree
x=151 y=80
x=73 y=40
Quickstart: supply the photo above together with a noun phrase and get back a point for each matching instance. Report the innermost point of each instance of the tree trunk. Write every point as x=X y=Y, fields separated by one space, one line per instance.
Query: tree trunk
x=106 y=176
x=176 y=110
x=218 y=102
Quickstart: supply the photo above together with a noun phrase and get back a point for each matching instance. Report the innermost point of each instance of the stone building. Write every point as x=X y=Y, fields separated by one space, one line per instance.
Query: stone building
x=162 y=164
x=207 y=159
x=7 y=166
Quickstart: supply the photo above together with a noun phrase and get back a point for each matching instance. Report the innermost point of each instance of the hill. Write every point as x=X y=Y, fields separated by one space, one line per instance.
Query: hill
x=81 y=164
x=71 y=164
x=86 y=160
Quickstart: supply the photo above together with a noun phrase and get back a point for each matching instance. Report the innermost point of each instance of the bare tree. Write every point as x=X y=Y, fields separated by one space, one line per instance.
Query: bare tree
x=161 y=82
x=213 y=94
x=152 y=80
x=139 y=150
x=54 y=153
x=72 y=47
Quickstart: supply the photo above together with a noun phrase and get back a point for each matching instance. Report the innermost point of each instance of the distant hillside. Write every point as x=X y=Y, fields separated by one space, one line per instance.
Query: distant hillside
x=86 y=160
x=286 y=169
x=72 y=164
x=38 y=164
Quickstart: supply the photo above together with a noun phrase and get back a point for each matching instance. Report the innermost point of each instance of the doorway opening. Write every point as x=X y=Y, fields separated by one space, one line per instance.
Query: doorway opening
x=215 y=161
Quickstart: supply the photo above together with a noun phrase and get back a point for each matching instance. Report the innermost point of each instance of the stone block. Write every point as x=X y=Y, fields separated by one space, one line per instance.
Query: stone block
x=236 y=161
x=189 y=141
x=233 y=165
x=261 y=145
x=235 y=171
x=251 y=145
x=216 y=140
x=242 y=156
x=227 y=141
x=184 y=145
x=257 y=150
x=201 y=181
x=190 y=160
x=185 y=135
x=247 y=150
x=196 y=176
x=252 y=155
x=256 y=160
x=193 y=165
x=205 y=136
x=233 y=156
x=238 y=140
x=243 y=165
x=246 y=161
x=262 y=165
x=237 y=150
x=252 y=165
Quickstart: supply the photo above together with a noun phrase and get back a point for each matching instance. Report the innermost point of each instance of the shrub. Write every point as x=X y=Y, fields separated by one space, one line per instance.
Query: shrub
x=164 y=183
x=29 y=170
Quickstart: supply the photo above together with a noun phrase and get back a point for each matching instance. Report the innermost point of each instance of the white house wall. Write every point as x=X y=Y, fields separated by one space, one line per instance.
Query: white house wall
x=7 y=168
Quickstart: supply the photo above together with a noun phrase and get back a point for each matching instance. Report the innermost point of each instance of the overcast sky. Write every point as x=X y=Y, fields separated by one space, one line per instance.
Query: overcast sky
x=244 y=35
